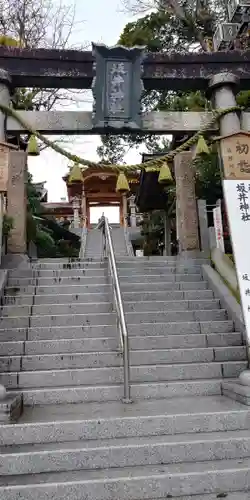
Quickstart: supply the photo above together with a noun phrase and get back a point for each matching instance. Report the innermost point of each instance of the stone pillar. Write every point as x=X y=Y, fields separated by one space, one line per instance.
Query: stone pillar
x=125 y=210
x=222 y=88
x=4 y=99
x=177 y=222
x=17 y=203
x=1 y=224
x=5 y=83
x=132 y=207
x=186 y=203
x=203 y=224
x=84 y=207
x=13 y=403
x=76 y=208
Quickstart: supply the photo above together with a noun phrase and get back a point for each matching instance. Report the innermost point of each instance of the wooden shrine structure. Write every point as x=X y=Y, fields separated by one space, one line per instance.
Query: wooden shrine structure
x=98 y=188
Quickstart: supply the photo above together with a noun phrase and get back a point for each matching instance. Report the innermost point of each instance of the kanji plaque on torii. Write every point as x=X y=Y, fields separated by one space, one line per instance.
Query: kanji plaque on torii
x=117 y=87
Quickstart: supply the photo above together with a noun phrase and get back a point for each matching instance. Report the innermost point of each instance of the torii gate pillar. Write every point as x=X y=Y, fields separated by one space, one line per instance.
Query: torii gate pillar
x=12 y=404
x=186 y=206
x=16 y=187
x=17 y=202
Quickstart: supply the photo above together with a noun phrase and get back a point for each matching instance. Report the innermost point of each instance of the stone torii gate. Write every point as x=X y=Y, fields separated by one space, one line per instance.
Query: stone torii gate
x=220 y=73
x=53 y=69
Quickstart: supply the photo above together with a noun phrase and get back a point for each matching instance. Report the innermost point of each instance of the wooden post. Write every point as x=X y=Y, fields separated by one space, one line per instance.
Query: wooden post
x=88 y=214
x=121 y=213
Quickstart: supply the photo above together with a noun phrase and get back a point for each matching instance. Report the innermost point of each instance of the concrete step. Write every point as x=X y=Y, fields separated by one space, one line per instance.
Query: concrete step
x=104 y=287
x=114 y=392
x=135 y=264
x=153 y=482
x=91 y=271
x=107 y=307
x=124 y=452
x=237 y=391
x=47 y=265
x=57 y=280
x=14 y=348
x=106 y=359
x=126 y=259
x=56 y=424
x=142 y=329
x=55 y=273
x=148 y=278
x=110 y=318
x=159 y=270
x=102 y=279
x=145 y=374
x=84 y=298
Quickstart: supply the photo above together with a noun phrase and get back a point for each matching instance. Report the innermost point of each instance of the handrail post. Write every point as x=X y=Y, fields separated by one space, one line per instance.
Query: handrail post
x=126 y=396
x=122 y=327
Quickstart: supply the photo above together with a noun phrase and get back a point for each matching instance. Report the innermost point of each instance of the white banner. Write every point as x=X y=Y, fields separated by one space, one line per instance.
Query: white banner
x=237 y=196
x=218 y=226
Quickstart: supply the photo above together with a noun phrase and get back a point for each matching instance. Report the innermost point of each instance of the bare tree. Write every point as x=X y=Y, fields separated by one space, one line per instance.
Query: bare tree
x=49 y=24
x=39 y=24
x=138 y=6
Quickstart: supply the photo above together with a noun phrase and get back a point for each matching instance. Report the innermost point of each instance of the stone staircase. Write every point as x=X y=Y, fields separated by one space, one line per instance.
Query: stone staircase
x=94 y=244
x=59 y=346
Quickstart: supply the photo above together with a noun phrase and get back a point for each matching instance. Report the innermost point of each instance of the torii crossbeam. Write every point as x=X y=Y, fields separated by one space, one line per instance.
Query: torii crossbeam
x=74 y=69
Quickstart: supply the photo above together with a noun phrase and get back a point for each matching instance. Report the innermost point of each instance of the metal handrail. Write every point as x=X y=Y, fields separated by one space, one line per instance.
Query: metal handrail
x=109 y=253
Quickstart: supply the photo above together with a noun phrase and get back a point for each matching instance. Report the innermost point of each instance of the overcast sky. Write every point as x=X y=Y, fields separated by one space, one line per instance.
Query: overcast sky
x=103 y=21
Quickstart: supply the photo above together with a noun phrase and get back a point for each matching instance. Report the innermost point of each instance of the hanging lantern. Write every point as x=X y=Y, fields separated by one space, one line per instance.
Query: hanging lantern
x=75 y=174
x=8 y=41
x=33 y=148
x=201 y=147
x=165 y=176
x=122 y=185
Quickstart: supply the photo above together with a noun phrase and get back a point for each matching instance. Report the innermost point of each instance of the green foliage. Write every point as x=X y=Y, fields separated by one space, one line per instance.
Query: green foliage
x=243 y=99
x=7 y=224
x=45 y=243
x=152 y=226
x=208 y=177
x=112 y=149
x=33 y=202
x=154 y=31
x=66 y=249
x=153 y=232
x=172 y=31
x=45 y=239
x=180 y=27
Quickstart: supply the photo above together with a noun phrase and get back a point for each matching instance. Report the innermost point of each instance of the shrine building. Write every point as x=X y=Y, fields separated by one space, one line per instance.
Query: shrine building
x=97 y=189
